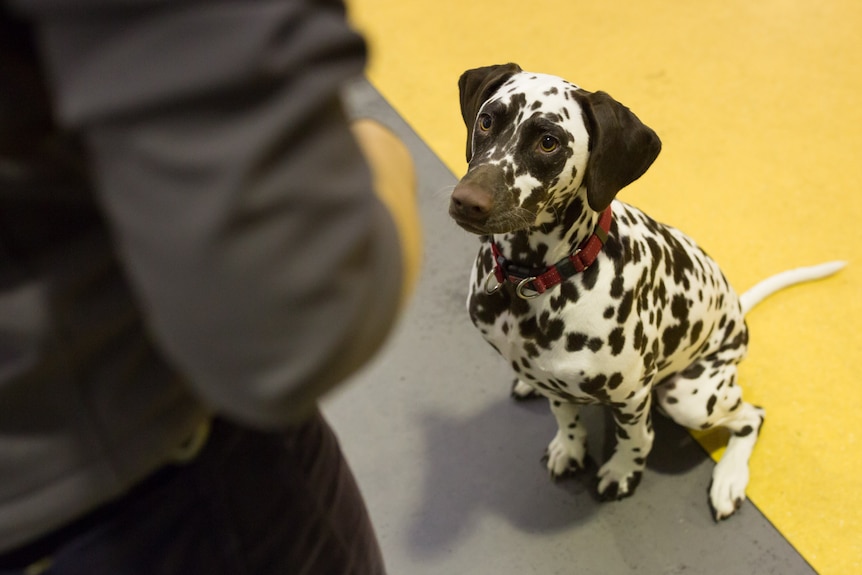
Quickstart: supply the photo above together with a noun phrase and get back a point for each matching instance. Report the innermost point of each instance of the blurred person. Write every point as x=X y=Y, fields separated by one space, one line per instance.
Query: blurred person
x=191 y=253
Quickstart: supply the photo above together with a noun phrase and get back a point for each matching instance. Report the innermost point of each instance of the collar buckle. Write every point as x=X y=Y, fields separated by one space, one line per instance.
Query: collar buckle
x=519 y=290
x=492 y=275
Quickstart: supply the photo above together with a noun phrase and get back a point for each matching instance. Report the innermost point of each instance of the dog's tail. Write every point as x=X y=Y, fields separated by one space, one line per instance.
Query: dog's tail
x=779 y=281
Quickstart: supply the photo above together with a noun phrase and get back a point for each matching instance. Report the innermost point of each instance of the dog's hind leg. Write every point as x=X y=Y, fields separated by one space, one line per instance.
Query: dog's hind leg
x=521 y=390
x=706 y=395
x=730 y=476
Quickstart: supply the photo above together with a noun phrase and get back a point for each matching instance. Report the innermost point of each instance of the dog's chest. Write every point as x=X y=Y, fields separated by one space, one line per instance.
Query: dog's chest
x=555 y=342
x=650 y=301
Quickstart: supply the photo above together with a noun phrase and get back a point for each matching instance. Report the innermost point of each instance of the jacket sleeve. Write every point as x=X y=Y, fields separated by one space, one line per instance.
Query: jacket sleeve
x=266 y=268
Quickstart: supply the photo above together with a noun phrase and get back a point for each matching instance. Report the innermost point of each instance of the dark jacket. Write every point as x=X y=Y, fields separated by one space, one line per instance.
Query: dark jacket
x=186 y=227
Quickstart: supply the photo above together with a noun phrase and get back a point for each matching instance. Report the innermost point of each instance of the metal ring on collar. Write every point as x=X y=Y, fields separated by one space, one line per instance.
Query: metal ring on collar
x=520 y=289
x=488 y=278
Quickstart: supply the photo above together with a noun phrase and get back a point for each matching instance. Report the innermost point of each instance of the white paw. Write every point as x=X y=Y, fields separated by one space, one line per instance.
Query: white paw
x=619 y=477
x=727 y=491
x=564 y=456
x=521 y=390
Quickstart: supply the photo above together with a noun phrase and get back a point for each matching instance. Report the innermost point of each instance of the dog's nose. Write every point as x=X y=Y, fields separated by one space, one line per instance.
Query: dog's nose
x=470 y=203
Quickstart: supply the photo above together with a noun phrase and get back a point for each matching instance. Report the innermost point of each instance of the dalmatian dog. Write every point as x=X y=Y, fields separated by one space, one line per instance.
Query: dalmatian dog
x=590 y=300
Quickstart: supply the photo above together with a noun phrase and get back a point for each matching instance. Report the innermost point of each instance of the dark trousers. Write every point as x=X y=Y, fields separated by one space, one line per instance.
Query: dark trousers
x=250 y=503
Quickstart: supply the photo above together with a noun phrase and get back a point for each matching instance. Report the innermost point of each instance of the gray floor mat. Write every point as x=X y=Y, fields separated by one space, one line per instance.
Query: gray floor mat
x=450 y=465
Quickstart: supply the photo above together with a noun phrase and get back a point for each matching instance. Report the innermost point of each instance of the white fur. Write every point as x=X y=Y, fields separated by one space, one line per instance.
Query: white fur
x=785 y=279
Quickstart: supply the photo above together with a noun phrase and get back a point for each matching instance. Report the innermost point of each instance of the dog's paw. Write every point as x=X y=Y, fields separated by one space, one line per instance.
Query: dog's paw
x=618 y=480
x=727 y=490
x=564 y=457
x=522 y=391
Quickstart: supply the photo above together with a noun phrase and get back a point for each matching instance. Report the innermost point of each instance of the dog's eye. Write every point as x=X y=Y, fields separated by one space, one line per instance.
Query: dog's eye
x=485 y=122
x=548 y=143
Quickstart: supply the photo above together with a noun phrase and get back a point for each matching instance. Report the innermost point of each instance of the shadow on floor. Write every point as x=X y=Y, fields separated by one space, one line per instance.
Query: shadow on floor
x=491 y=463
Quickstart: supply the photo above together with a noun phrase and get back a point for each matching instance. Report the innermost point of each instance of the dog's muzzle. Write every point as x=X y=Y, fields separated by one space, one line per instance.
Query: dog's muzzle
x=478 y=201
x=470 y=205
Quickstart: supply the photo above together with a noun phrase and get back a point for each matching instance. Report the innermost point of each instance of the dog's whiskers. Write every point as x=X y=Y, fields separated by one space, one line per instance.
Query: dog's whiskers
x=442 y=195
x=445 y=190
x=518 y=219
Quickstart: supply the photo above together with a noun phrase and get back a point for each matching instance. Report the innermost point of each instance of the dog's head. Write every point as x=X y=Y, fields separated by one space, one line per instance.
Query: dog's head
x=535 y=142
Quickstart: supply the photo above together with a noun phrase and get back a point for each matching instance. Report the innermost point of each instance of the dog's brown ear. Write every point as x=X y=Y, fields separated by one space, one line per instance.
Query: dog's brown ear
x=475 y=87
x=621 y=147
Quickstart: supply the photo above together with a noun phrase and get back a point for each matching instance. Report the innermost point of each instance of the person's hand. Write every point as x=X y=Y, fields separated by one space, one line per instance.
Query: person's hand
x=395 y=184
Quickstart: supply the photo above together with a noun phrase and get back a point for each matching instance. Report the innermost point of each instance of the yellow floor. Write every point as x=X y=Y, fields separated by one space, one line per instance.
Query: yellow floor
x=758 y=106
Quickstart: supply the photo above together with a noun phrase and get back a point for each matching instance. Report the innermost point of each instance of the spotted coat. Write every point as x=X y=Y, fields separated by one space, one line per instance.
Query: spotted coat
x=651 y=319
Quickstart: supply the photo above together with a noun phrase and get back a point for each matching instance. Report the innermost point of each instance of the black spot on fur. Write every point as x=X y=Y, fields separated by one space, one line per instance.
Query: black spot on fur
x=565 y=295
x=522 y=252
x=694 y=371
x=729 y=329
x=590 y=276
x=649 y=362
x=679 y=307
x=660 y=295
x=484 y=309
x=696 y=329
x=655 y=257
x=617 y=340
x=710 y=404
x=613 y=248
x=639 y=339
x=672 y=336
x=572 y=213
x=617 y=287
x=593 y=385
x=739 y=340
x=576 y=341
x=625 y=307
x=543 y=331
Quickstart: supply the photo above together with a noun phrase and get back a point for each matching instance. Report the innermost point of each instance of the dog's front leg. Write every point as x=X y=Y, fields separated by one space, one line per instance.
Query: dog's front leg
x=568 y=448
x=620 y=475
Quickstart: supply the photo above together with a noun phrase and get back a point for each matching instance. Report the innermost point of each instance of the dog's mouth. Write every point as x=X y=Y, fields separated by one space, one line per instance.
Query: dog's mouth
x=472 y=228
x=502 y=224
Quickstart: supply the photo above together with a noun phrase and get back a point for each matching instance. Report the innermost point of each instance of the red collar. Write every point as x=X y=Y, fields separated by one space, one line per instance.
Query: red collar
x=539 y=280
